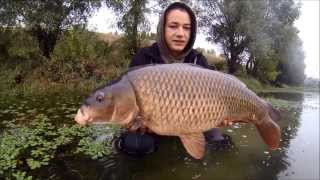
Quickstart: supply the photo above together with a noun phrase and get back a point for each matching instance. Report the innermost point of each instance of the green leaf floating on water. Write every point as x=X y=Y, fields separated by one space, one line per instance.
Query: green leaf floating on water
x=283 y=104
x=33 y=164
x=25 y=149
x=19 y=175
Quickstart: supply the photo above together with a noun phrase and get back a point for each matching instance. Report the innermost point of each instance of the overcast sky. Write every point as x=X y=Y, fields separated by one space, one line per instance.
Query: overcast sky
x=308 y=25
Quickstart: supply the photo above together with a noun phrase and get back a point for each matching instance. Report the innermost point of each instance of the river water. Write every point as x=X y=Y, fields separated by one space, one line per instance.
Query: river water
x=247 y=158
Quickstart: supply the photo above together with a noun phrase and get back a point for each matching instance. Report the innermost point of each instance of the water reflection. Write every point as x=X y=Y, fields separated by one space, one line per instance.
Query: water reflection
x=248 y=158
x=303 y=149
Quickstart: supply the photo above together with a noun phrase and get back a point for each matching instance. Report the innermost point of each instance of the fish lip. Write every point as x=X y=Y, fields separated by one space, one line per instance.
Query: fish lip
x=100 y=122
x=81 y=117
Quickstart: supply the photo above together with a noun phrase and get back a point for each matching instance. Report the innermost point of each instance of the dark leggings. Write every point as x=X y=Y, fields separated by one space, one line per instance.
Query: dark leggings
x=142 y=144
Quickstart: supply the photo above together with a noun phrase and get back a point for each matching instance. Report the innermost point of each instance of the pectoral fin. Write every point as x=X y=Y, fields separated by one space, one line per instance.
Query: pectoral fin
x=194 y=144
x=270 y=133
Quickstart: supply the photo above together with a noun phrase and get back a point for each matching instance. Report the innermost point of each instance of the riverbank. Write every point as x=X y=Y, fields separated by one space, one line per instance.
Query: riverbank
x=33 y=86
x=290 y=89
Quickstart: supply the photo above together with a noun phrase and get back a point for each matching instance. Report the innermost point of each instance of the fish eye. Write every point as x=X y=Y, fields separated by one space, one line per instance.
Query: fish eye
x=99 y=98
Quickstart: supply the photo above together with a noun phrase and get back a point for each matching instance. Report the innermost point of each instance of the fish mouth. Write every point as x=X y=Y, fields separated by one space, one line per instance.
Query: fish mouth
x=83 y=117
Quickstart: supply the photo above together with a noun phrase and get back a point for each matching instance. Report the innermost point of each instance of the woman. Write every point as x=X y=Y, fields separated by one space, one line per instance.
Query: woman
x=175 y=39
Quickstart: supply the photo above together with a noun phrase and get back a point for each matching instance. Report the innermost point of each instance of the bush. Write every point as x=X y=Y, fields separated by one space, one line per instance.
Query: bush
x=251 y=82
x=18 y=47
x=81 y=54
x=80 y=43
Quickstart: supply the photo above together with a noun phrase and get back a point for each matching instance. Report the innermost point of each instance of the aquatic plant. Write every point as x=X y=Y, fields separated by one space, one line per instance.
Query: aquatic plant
x=284 y=104
x=26 y=149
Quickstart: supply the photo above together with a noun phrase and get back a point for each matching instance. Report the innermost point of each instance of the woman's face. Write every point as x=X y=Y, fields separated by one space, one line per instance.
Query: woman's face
x=177 y=30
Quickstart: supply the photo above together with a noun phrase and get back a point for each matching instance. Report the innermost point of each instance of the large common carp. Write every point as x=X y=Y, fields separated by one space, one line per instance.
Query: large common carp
x=180 y=100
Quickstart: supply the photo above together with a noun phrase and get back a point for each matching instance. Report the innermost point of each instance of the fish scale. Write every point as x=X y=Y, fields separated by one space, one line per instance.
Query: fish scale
x=180 y=100
x=194 y=83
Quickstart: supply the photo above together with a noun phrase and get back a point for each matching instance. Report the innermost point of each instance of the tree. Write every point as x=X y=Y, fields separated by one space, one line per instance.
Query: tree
x=224 y=21
x=45 y=19
x=256 y=34
x=285 y=41
x=239 y=27
x=262 y=62
x=131 y=15
x=268 y=49
x=292 y=67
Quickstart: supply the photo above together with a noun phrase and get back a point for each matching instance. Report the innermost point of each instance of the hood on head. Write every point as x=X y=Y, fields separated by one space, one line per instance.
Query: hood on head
x=164 y=49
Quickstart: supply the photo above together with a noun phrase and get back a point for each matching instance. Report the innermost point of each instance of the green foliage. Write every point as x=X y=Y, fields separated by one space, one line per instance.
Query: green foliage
x=131 y=15
x=47 y=19
x=82 y=60
x=21 y=176
x=26 y=149
x=283 y=104
x=286 y=43
x=258 y=34
x=251 y=83
x=292 y=65
x=221 y=66
x=96 y=148
x=79 y=54
x=252 y=31
x=80 y=43
x=92 y=148
x=4 y=43
x=225 y=23
x=267 y=70
x=17 y=46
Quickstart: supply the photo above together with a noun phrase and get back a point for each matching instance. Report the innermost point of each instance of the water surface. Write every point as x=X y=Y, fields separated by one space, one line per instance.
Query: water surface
x=248 y=158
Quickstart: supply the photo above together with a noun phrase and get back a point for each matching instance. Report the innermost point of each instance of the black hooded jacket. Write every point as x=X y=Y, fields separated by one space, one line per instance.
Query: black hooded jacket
x=151 y=55
x=159 y=53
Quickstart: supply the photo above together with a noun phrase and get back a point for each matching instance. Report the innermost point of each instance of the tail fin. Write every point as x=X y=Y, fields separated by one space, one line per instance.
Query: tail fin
x=274 y=113
x=270 y=133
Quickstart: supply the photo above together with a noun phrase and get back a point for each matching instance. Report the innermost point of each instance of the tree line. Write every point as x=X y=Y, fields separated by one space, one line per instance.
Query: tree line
x=257 y=37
